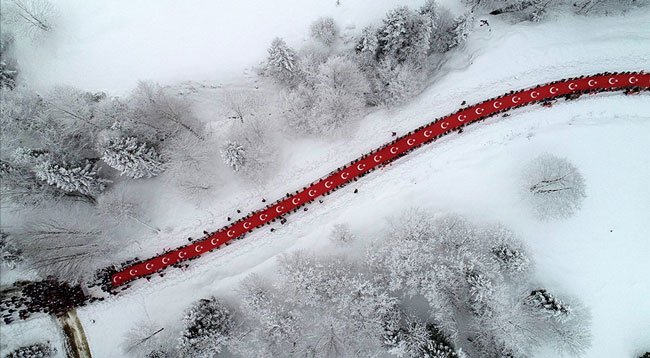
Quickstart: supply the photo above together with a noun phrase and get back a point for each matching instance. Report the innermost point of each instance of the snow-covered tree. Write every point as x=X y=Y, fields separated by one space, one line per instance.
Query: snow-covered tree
x=341 y=234
x=553 y=186
x=10 y=255
x=208 y=325
x=8 y=65
x=417 y=339
x=460 y=29
x=394 y=83
x=234 y=155
x=404 y=37
x=20 y=186
x=340 y=93
x=38 y=350
x=324 y=30
x=471 y=277
x=81 y=179
x=282 y=63
x=132 y=158
x=587 y=7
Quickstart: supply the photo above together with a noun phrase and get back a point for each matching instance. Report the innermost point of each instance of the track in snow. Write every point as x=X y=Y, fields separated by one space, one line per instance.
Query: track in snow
x=382 y=156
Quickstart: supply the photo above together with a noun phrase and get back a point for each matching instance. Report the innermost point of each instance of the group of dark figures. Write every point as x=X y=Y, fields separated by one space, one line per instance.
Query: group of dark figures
x=50 y=296
x=282 y=219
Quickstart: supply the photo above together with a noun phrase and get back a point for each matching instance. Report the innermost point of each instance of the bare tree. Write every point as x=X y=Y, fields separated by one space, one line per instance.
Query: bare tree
x=143 y=338
x=31 y=16
x=115 y=205
x=243 y=103
x=553 y=186
x=69 y=250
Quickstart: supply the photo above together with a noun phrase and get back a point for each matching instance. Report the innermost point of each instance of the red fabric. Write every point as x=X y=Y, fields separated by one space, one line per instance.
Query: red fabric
x=382 y=156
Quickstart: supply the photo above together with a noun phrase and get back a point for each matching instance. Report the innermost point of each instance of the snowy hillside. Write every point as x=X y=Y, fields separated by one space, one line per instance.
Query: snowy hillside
x=598 y=256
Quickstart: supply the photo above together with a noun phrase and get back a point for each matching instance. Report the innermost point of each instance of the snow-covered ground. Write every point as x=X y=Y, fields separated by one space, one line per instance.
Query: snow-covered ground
x=600 y=255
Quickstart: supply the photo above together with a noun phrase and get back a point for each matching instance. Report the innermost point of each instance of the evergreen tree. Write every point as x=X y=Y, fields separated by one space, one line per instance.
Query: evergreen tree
x=543 y=300
x=282 y=63
x=234 y=155
x=461 y=28
x=404 y=36
x=207 y=328
x=80 y=179
x=133 y=159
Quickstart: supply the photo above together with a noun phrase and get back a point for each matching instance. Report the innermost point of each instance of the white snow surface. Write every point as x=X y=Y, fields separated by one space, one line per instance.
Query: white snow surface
x=600 y=255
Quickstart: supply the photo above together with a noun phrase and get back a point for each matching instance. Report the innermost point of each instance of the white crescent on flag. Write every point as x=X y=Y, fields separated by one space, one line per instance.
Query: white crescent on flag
x=393 y=150
x=411 y=141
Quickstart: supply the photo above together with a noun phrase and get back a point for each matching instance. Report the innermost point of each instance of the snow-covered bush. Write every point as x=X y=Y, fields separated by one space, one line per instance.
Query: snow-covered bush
x=38 y=350
x=282 y=63
x=324 y=30
x=234 y=155
x=553 y=187
x=208 y=325
x=133 y=159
